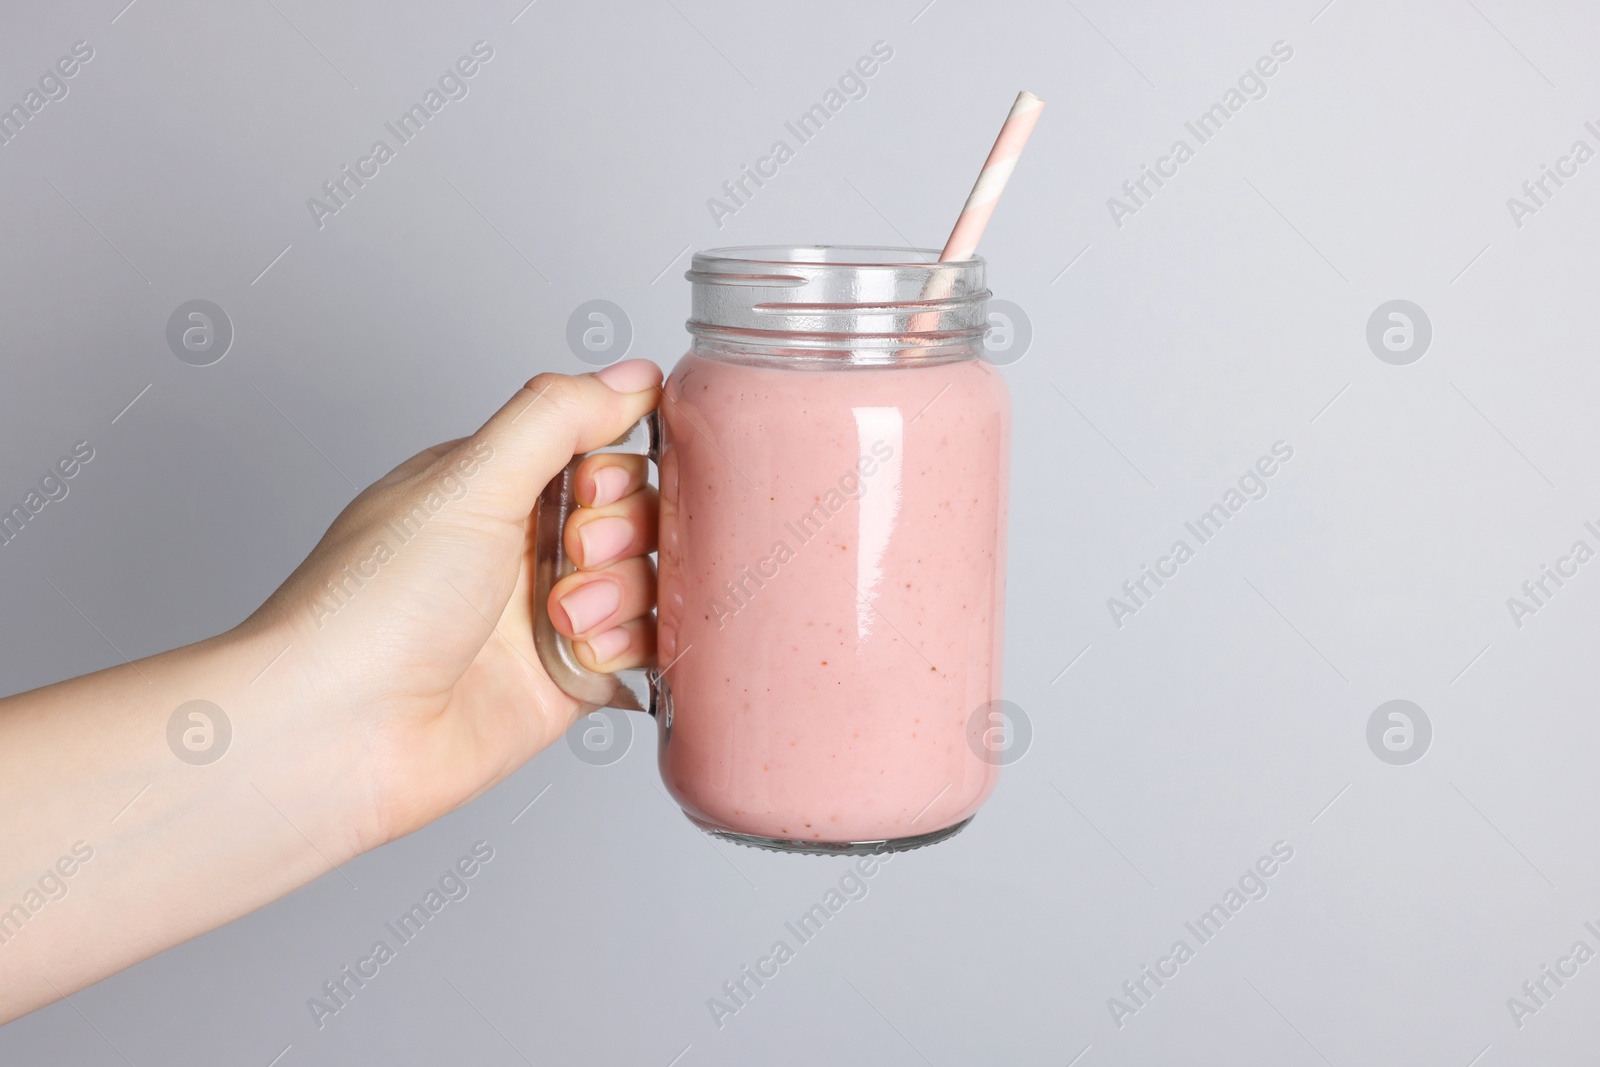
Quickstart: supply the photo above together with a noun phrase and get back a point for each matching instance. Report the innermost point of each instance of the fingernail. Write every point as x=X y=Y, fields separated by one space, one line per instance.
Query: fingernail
x=607 y=646
x=630 y=376
x=590 y=603
x=609 y=485
x=604 y=539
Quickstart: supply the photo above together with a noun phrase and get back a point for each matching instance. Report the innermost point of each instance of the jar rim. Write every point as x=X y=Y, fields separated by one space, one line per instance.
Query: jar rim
x=823 y=255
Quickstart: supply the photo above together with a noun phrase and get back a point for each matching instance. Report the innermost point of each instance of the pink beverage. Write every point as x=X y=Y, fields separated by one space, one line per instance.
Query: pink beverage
x=833 y=501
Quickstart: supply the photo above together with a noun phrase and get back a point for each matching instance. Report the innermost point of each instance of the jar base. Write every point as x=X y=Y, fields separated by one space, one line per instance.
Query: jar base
x=833 y=848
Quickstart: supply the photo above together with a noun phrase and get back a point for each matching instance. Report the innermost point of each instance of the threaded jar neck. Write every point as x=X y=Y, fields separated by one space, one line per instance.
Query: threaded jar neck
x=835 y=303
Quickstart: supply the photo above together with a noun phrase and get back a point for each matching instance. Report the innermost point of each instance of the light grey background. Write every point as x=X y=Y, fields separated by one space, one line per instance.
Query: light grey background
x=1229 y=313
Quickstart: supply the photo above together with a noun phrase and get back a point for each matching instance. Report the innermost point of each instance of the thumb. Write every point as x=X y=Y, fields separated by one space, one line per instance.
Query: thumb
x=550 y=420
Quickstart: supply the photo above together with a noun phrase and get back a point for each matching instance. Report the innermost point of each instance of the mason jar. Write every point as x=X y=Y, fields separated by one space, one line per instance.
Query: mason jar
x=833 y=455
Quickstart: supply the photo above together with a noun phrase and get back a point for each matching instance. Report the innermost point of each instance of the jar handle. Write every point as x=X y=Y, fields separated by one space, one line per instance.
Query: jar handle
x=631 y=690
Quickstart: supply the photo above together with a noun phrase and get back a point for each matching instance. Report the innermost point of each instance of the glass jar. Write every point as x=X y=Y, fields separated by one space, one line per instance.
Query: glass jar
x=833 y=456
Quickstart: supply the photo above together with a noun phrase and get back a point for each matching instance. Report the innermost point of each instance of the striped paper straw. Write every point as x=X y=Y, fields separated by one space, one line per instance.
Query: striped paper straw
x=992 y=178
x=980 y=203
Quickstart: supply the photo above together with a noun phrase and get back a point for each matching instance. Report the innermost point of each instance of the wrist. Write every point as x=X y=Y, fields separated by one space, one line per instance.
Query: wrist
x=296 y=739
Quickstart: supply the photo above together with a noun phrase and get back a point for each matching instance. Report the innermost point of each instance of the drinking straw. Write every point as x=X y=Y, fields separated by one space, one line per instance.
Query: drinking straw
x=992 y=178
x=980 y=203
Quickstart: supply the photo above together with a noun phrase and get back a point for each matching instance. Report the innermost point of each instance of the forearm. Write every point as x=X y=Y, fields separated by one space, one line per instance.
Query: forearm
x=103 y=821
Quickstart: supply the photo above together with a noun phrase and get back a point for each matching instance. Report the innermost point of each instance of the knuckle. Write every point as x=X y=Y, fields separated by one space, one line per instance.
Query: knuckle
x=555 y=392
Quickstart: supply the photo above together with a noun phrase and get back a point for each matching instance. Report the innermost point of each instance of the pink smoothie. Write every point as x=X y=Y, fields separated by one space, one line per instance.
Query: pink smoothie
x=831 y=583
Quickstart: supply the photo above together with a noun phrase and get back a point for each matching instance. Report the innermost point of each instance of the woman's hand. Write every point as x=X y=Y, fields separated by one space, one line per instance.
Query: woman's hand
x=415 y=610
x=389 y=680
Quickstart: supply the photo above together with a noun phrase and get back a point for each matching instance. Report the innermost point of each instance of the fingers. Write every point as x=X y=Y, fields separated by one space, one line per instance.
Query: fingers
x=587 y=603
x=618 y=522
x=551 y=419
x=607 y=478
x=633 y=644
x=618 y=513
x=597 y=536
